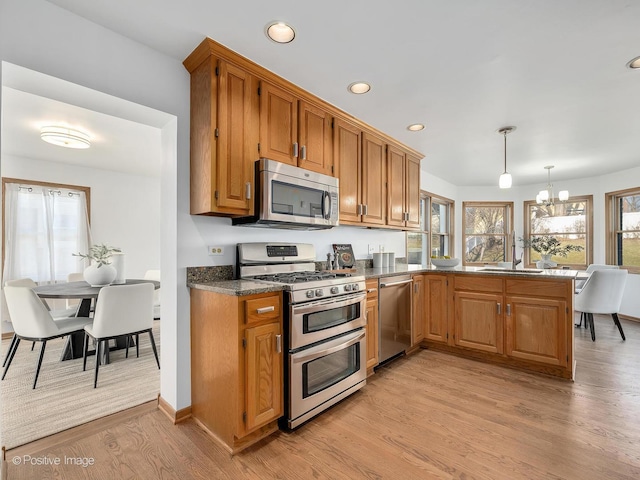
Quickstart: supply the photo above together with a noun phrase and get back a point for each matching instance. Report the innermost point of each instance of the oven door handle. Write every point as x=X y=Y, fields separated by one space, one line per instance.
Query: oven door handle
x=329 y=347
x=332 y=303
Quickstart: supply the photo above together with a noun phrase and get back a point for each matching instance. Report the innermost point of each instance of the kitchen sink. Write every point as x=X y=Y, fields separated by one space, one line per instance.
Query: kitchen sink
x=498 y=269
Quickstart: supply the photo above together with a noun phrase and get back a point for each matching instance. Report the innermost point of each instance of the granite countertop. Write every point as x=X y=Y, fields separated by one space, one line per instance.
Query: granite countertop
x=214 y=281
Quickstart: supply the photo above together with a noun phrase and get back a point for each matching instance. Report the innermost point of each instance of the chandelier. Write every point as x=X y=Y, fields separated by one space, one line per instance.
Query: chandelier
x=545 y=197
x=505 y=178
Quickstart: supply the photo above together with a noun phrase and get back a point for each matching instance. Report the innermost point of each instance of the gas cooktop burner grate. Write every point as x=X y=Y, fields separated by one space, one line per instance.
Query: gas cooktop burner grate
x=300 y=277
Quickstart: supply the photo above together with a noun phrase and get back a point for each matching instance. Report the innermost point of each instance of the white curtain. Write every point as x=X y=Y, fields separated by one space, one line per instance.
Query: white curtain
x=43 y=228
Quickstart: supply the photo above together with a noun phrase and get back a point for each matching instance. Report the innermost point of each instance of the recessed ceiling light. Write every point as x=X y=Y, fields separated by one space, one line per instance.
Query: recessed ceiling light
x=65 y=137
x=635 y=63
x=359 y=88
x=280 y=32
x=416 y=127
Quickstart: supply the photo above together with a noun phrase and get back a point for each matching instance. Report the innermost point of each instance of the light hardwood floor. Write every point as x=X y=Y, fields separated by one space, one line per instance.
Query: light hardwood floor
x=430 y=415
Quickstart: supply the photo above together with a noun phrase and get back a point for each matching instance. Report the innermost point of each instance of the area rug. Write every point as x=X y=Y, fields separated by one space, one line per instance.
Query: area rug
x=64 y=396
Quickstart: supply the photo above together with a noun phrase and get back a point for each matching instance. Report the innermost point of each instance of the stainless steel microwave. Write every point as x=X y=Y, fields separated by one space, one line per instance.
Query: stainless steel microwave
x=292 y=197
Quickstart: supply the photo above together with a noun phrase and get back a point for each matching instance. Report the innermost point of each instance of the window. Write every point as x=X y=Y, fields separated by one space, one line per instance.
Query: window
x=623 y=227
x=43 y=225
x=435 y=237
x=488 y=228
x=569 y=222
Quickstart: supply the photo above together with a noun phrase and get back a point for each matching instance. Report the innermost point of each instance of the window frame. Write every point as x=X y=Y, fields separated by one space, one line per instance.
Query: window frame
x=508 y=231
x=588 y=199
x=428 y=198
x=52 y=186
x=611 y=210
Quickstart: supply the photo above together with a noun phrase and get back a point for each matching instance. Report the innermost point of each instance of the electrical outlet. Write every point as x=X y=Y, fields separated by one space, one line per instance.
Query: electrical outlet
x=215 y=251
x=372 y=249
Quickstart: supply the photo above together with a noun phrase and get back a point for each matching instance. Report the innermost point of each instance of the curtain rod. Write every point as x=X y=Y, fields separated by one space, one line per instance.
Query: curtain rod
x=51 y=192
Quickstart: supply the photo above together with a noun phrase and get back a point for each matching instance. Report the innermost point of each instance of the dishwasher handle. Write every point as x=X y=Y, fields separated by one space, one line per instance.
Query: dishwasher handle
x=392 y=284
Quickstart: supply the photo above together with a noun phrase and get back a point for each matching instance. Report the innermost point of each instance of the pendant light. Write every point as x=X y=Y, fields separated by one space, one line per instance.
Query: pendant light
x=545 y=197
x=505 y=178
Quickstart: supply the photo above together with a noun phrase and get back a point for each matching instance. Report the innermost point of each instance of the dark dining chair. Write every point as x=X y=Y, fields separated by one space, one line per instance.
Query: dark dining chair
x=121 y=310
x=602 y=293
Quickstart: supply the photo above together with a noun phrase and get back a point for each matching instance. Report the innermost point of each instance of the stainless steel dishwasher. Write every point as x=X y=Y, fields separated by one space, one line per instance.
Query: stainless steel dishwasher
x=395 y=315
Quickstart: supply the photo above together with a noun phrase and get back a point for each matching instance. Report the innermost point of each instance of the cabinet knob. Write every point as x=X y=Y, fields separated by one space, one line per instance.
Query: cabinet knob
x=303 y=152
x=508 y=309
x=499 y=308
x=359 y=209
x=295 y=149
x=265 y=309
x=366 y=209
x=279 y=343
x=247 y=187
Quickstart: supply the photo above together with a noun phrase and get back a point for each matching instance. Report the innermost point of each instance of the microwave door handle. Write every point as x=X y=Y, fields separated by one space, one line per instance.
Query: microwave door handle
x=326 y=205
x=330 y=347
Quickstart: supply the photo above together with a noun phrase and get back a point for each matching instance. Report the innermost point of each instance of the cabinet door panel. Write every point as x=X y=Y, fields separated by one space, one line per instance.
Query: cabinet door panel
x=347 y=141
x=264 y=401
x=314 y=134
x=537 y=330
x=237 y=141
x=417 y=326
x=278 y=124
x=435 y=306
x=395 y=179
x=374 y=179
x=372 y=332
x=412 y=191
x=478 y=324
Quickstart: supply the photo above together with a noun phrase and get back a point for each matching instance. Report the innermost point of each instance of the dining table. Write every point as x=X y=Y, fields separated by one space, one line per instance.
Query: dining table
x=86 y=294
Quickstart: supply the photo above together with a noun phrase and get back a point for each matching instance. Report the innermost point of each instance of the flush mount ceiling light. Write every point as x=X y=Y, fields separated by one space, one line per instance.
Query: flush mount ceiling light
x=359 y=88
x=280 y=32
x=65 y=137
x=633 y=64
x=416 y=127
x=545 y=197
x=505 y=178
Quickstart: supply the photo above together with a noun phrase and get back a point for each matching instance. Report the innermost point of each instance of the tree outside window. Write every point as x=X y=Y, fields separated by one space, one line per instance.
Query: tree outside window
x=435 y=237
x=487 y=232
x=623 y=240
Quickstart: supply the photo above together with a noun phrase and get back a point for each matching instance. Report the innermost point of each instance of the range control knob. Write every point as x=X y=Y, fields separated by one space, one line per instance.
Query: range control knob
x=309 y=293
x=347 y=287
x=334 y=290
x=356 y=287
x=319 y=292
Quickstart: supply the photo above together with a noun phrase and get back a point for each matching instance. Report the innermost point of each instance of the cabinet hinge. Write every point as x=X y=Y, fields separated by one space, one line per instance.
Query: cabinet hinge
x=216 y=132
x=217 y=71
x=258 y=147
x=331 y=168
x=244 y=417
x=258 y=91
x=244 y=340
x=216 y=194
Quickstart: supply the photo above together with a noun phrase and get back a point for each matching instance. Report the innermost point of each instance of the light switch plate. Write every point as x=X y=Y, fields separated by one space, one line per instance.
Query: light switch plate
x=215 y=251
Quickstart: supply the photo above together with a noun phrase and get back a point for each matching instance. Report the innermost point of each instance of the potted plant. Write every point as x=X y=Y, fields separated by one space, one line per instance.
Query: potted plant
x=100 y=272
x=548 y=246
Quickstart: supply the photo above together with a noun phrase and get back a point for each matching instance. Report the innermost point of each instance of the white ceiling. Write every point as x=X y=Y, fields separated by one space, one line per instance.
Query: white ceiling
x=555 y=69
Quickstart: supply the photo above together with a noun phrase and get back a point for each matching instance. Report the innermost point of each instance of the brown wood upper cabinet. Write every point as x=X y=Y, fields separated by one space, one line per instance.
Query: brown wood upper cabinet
x=403 y=176
x=224 y=138
x=294 y=131
x=360 y=163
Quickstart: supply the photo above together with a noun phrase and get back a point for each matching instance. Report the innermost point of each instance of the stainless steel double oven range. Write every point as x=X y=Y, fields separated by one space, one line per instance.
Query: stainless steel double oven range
x=324 y=320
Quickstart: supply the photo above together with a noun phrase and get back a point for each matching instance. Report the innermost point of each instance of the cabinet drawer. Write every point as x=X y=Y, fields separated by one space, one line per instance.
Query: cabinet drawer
x=477 y=283
x=538 y=288
x=372 y=289
x=259 y=309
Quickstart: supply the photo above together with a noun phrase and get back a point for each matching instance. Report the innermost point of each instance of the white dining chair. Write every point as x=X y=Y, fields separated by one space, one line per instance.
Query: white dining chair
x=154 y=275
x=33 y=322
x=602 y=293
x=121 y=310
x=580 y=283
x=56 y=314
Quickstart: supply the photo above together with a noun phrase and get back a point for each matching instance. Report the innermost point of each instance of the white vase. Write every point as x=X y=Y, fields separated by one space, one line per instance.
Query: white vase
x=546 y=262
x=99 y=276
x=117 y=262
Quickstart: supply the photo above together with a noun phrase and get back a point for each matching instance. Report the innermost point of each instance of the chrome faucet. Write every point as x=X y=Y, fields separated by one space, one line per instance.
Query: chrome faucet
x=514 y=261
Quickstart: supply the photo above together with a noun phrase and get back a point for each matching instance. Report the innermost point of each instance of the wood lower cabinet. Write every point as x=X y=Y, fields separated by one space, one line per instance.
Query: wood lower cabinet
x=418 y=321
x=436 y=310
x=236 y=366
x=478 y=321
x=371 y=314
x=518 y=320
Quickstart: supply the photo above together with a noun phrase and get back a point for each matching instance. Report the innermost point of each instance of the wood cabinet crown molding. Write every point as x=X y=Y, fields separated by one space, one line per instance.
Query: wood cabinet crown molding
x=209 y=47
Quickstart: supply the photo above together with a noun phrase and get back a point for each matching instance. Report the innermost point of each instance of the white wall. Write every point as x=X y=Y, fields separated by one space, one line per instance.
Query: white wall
x=125 y=209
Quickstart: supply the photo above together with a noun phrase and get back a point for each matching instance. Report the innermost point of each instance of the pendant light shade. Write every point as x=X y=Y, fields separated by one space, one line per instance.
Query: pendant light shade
x=505 y=178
